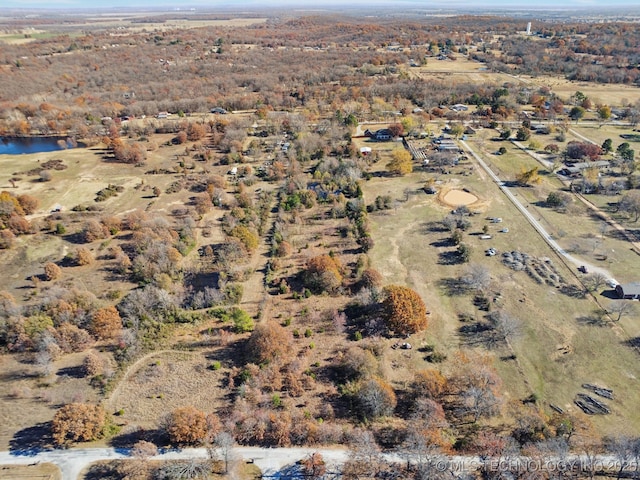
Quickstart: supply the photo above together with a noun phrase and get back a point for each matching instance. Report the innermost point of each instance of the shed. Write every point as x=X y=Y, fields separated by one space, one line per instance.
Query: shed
x=628 y=290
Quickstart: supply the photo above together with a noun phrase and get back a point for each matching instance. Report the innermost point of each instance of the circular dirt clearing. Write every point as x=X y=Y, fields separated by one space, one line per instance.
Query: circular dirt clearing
x=458 y=198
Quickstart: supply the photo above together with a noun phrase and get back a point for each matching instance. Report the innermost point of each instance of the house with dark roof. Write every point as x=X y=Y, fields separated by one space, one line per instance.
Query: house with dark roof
x=382 y=135
x=630 y=291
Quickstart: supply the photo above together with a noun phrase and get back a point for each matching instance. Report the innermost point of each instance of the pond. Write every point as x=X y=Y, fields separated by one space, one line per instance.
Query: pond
x=18 y=145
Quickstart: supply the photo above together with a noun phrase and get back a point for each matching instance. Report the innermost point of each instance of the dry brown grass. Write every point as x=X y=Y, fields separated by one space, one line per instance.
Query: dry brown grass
x=597 y=92
x=41 y=471
x=163 y=381
x=29 y=399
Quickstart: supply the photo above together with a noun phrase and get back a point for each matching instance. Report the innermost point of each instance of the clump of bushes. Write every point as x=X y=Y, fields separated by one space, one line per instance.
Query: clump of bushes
x=108 y=192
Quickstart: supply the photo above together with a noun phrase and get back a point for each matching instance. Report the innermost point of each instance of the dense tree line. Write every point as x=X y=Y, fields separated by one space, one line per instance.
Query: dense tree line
x=192 y=70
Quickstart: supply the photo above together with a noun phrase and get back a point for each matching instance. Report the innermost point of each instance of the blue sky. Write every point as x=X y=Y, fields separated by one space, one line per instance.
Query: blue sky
x=304 y=4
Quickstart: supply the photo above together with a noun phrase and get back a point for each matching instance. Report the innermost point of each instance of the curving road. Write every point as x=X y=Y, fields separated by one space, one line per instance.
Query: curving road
x=532 y=220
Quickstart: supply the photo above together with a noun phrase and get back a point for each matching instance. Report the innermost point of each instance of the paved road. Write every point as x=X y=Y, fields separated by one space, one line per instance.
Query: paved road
x=532 y=219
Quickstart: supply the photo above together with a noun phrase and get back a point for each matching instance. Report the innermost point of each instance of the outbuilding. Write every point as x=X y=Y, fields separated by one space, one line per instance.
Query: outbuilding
x=629 y=291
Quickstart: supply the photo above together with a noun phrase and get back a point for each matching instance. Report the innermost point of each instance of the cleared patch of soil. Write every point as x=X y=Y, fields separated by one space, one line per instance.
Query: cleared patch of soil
x=459 y=198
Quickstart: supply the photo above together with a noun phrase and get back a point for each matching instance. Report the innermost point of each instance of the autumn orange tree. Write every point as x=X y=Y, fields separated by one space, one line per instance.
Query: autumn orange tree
x=314 y=466
x=106 y=323
x=323 y=273
x=187 y=425
x=52 y=271
x=429 y=383
x=403 y=310
x=78 y=422
x=269 y=342
x=371 y=278
x=28 y=203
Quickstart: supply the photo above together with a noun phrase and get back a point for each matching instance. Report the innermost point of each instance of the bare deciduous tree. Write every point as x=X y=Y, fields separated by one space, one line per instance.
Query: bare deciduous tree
x=222 y=449
x=594 y=281
x=621 y=308
x=477 y=277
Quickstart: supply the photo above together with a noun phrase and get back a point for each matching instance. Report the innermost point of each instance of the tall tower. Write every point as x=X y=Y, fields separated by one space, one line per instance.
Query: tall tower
x=529 y=28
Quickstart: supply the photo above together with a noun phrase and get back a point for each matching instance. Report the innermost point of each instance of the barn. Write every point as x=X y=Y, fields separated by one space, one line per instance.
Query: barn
x=629 y=290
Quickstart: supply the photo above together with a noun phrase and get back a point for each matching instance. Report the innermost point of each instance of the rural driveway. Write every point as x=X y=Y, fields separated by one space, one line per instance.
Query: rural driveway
x=532 y=220
x=269 y=460
x=275 y=462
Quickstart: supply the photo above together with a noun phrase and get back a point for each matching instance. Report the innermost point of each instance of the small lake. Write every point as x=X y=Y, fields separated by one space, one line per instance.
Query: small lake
x=18 y=145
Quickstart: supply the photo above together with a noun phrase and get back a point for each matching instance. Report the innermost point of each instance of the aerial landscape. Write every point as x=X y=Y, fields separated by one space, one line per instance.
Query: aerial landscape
x=349 y=241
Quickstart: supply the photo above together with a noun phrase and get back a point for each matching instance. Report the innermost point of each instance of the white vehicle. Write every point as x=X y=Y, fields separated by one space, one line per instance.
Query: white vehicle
x=491 y=252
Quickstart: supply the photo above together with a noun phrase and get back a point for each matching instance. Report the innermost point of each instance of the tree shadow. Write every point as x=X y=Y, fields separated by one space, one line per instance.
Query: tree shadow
x=433 y=227
x=632 y=342
x=72 y=372
x=128 y=439
x=450 y=258
x=477 y=333
x=511 y=184
x=443 y=242
x=32 y=440
x=103 y=471
x=288 y=472
x=75 y=238
x=453 y=286
x=616 y=234
x=593 y=320
x=572 y=291
x=381 y=174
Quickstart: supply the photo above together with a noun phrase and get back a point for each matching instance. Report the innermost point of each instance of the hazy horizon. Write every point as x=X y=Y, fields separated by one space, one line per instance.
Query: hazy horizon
x=320 y=4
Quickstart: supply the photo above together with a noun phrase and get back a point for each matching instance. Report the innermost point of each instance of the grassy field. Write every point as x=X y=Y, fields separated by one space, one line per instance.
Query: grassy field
x=41 y=471
x=468 y=70
x=123 y=22
x=559 y=346
x=599 y=134
x=598 y=93
x=29 y=400
x=163 y=381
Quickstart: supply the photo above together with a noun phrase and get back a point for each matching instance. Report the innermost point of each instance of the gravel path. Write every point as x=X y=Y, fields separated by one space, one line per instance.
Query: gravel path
x=533 y=221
